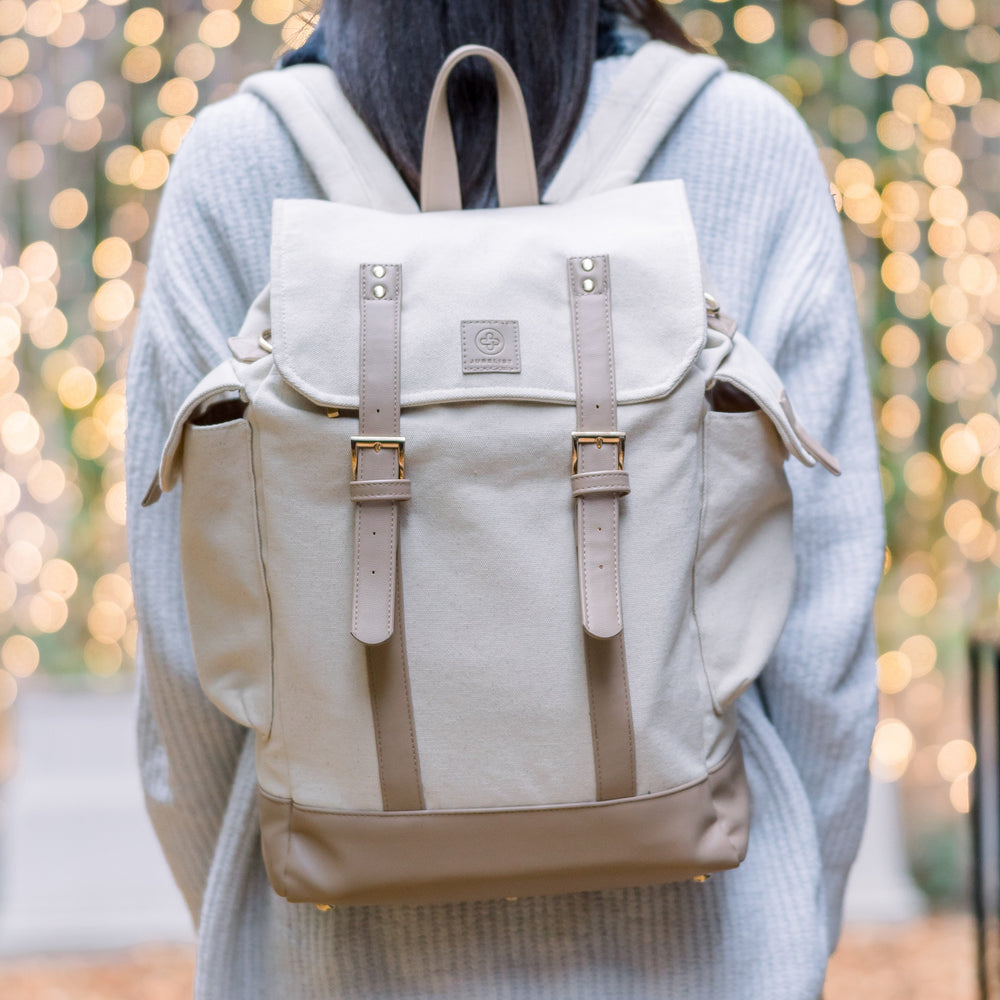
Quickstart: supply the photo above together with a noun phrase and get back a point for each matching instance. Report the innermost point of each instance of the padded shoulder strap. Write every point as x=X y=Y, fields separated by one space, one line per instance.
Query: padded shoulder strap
x=650 y=94
x=349 y=164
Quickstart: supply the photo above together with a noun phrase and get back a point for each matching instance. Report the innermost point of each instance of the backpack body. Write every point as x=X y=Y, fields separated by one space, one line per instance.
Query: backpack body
x=489 y=637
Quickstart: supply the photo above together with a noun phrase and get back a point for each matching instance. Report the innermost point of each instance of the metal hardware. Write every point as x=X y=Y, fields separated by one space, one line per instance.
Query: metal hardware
x=379 y=271
x=587 y=264
x=264 y=341
x=701 y=878
x=598 y=438
x=379 y=291
x=333 y=413
x=587 y=284
x=376 y=444
x=323 y=907
x=712 y=305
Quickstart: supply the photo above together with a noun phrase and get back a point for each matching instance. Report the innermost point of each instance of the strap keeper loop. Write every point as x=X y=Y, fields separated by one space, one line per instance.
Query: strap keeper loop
x=588 y=484
x=372 y=490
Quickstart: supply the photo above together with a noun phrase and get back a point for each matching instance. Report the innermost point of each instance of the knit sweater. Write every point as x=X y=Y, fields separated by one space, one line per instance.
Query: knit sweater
x=770 y=238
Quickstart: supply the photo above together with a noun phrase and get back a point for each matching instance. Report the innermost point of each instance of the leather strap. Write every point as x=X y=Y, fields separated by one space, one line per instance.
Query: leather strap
x=392 y=714
x=597 y=482
x=377 y=459
x=610 y=717
x=376 y=526
x=517 y=180
x=596 y=448
x=380 y=489
x=600 y=483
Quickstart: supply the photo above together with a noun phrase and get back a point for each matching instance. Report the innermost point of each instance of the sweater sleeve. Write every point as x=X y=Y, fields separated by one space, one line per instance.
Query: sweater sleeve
x=773 y=245
x=208 y=260
x=819 y=685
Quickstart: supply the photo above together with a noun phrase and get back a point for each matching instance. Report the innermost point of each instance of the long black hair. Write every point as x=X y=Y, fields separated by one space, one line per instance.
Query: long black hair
x=386 y=54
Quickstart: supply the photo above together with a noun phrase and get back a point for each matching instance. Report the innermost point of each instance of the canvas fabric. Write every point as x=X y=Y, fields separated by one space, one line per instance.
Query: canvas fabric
x=488 y=548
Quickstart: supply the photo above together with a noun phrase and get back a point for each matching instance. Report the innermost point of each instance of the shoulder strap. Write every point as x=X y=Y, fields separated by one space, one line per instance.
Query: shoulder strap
x=349 y=164
x=646 y=100
x=651 y=93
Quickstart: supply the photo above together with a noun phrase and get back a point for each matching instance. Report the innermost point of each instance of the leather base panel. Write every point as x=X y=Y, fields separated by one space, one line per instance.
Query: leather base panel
x=369 y=858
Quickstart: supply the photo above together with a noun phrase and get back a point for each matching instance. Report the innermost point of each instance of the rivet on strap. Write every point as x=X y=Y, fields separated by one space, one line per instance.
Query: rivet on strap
x=600 y=483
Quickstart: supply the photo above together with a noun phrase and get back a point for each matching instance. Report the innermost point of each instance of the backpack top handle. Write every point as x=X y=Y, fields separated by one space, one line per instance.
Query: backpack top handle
x=517 y=179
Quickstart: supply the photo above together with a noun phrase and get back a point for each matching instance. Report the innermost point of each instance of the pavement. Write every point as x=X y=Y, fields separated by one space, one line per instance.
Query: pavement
x=80 y=867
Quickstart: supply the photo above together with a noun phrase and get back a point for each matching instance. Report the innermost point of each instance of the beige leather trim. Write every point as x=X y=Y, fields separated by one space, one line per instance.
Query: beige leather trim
x=380 y=489
x=610 y=717
x=596 y=411
x=596 y=483
x=372 y=858
x=378 y=582
x=392 y=713
x=517 y=180
x=376 y=528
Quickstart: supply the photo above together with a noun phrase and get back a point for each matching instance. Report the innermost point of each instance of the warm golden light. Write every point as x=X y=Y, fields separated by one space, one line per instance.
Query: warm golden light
x=753 y=24
x=892 y=749
x=219 y=29
x=909 y=19
x=19 y=655
x=894 y=672
x=144 y=26
x=68 y=209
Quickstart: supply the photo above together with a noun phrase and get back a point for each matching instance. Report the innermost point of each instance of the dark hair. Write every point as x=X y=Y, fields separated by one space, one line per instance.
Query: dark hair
x=386 y=54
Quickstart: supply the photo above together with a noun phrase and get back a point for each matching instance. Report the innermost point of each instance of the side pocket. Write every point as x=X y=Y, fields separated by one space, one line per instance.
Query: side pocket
x=224 y=583
x=744 y=568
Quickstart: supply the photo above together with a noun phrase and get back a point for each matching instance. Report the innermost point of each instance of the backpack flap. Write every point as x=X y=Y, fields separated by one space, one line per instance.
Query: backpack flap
x=220 y=383
x=470 y=267
x=746 y=368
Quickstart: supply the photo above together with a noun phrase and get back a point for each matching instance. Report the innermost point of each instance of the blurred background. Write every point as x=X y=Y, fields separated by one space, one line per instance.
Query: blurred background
x=95 y=98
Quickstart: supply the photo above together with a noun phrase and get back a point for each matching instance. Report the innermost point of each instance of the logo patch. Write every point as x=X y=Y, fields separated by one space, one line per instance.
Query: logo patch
x=490 y=345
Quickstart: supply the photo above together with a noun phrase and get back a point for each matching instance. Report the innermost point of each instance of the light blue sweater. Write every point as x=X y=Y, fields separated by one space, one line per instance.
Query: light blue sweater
x=771 y=239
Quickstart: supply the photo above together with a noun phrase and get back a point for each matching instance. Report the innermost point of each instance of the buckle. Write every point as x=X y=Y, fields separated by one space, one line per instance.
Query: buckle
x=598 y=438
x=377 y=444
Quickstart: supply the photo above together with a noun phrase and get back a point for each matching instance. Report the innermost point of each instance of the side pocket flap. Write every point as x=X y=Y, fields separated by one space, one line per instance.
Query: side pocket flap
x=747 y=369
x=220 y=381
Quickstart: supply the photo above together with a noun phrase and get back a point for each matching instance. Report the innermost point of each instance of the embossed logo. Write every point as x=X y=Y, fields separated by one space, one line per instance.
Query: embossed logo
x=489 y=341
x=490 y=345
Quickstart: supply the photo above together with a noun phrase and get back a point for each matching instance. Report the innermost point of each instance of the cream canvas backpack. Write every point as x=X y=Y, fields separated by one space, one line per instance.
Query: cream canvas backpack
x=486 y=650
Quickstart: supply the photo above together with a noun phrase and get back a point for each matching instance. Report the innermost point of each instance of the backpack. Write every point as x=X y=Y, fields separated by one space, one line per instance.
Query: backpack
x=435 y=404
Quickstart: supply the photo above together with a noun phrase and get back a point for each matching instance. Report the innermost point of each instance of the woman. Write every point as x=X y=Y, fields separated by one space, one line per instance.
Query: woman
x=770 y=238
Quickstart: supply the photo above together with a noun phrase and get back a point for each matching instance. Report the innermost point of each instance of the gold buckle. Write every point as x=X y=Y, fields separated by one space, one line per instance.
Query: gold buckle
x=376 y=444
x=598 y=438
